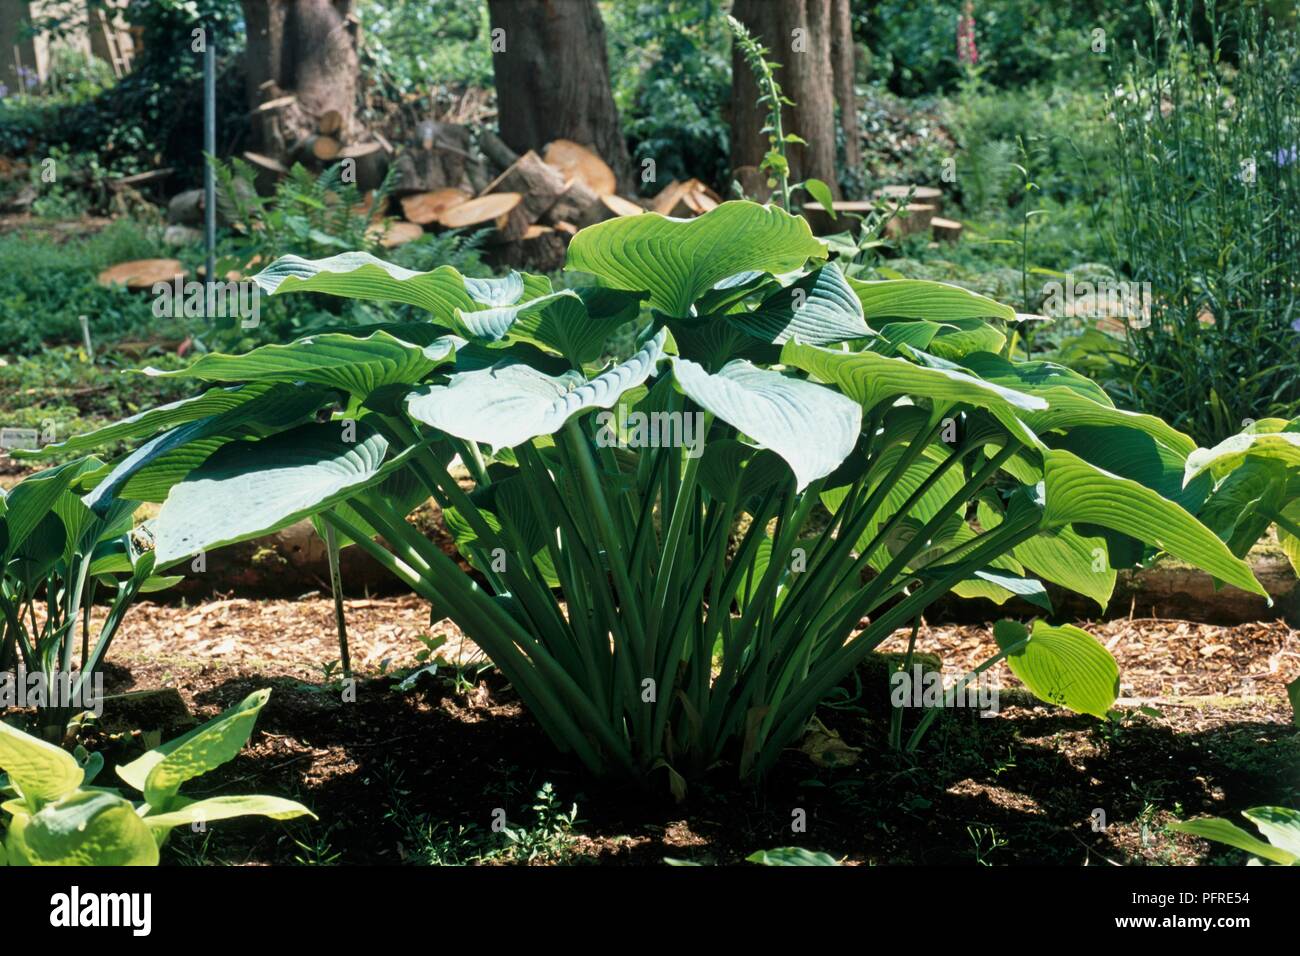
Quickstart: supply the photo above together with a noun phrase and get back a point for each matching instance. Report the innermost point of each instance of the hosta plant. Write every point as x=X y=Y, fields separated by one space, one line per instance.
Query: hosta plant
x=1279 y=825
x=56 y=816
x=1256 y=485
x=57 y=557
x=680 y=551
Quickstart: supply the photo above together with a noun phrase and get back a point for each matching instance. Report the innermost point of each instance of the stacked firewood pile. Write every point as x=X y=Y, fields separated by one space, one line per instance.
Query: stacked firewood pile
x=460 y=178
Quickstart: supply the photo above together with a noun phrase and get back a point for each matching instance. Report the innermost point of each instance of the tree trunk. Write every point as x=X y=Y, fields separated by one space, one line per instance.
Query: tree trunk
x=845 y=73
x=306 y=49
x=552 y=79
x=798 y=35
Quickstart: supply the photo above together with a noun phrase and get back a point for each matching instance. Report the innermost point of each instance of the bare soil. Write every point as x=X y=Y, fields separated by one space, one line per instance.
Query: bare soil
x=415 y=775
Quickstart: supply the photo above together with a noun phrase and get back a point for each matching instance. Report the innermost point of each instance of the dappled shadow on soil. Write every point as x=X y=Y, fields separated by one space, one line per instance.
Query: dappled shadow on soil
x=419 y=776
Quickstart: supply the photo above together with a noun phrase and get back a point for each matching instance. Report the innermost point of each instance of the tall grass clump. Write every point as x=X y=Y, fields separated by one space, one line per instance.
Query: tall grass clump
x=1207 y=182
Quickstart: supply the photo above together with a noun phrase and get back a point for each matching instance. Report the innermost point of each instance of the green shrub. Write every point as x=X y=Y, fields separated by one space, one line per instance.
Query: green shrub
x=650 y=576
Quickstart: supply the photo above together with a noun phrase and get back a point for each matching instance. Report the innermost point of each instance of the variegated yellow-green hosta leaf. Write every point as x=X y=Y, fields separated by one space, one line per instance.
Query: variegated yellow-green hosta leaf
x=511 y=402
x=186 y=813
x=251 y=488
x=356 y=365
x=811 y=426
x=924 y=299
x=678 y=260
x=39 y=770
x=86 y=828
x=1272 y=438
x=159 y=773
x=1080 y=492
x=1063 y=665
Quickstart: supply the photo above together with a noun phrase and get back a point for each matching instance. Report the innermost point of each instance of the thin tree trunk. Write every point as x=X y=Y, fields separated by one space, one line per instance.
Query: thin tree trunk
x=843 y=67
x=552 y=79
x=798 y=35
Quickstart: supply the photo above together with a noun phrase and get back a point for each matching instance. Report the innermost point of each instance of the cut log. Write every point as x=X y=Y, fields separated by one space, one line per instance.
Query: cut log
x=141 y=179
x=945 y=230
x=330 y=122
x=912 y=219
x=426 y=208
x=539 y=249
x=498 y=209
x=141 y=273
x=574 y=159
x=186 y=208
x=539 y=183
x=178 y=235
x=319 y=149
x=394 y=234
x=496 y=150
x=363 y=208
x=685 y=199
x=577 y=205
x=368 y=165
x=927 y=195
x=618 y=206
x=266 y=162
x=568 y=228
x=279 y=103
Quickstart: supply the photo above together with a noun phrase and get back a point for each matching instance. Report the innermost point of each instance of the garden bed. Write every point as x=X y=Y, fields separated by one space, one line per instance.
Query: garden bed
x=415 y=775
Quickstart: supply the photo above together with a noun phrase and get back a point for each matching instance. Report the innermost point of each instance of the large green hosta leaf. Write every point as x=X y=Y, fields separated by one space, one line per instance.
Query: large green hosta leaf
x=358 y=366
x=818 y=309
x=924 y=299
x=1078 y=491
x=559 y=322
x=679 y=260
x=812 y=427
x=511 y=402
x=249 y=488
x=1062 y=665
x=870 y=379
x=359 y=275
x=212 y=402
x=1272 y=438
x=152 y=469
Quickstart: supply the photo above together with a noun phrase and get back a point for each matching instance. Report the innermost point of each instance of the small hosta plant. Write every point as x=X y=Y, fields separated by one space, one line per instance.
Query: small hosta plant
x=55 y=816
x=1280 y=826
x=58 y=556
x=679 y=553
x=1256 y=485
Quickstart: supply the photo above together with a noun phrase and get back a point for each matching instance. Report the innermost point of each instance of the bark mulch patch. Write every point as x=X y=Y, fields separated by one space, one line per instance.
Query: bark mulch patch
x=415 y=774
